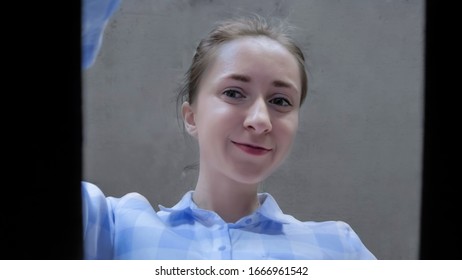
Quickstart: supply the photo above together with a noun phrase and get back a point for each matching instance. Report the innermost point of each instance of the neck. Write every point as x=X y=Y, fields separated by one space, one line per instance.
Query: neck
x=231 y=200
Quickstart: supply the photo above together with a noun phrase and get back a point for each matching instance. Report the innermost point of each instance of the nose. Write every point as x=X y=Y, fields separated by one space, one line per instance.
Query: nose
x=258 y=118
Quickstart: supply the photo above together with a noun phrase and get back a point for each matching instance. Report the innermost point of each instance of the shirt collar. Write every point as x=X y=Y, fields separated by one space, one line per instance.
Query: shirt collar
x=268 y=209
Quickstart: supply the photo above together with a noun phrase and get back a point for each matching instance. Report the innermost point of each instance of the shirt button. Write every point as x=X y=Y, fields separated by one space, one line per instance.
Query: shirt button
x=221 y=227
x=221 y=248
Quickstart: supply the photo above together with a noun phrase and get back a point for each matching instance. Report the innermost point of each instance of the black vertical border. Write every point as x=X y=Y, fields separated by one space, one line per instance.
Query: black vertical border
x=441 y=204
x=41 y=213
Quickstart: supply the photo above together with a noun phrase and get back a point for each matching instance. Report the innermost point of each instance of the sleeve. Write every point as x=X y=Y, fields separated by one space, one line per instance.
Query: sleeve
x=95 y=16
x=355 y=247
x=98 y=223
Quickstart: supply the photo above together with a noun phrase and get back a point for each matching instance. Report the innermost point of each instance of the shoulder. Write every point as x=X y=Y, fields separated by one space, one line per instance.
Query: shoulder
x=338 y=239
x=95 y=200
x=330 y=231
x=331 y=239
x=105 y=217
x=339 y=228
x=321 y=229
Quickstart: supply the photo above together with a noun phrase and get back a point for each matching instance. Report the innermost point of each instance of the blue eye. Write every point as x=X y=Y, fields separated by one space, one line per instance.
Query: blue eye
x=232 y=93
x=280 y=101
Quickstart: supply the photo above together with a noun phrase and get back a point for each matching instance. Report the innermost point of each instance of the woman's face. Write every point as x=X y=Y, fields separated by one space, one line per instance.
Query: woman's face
x=246 y=112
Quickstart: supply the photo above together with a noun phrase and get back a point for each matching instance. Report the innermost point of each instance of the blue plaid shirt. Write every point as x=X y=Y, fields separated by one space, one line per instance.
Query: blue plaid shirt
x=95 y=16
x=129 y=228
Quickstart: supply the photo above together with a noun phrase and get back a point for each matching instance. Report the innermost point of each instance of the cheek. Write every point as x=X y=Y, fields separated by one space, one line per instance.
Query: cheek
x=213 y=116
x=287 y=130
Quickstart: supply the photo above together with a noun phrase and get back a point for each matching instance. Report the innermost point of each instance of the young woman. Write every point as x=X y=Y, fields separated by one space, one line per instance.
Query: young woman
x=241 y=101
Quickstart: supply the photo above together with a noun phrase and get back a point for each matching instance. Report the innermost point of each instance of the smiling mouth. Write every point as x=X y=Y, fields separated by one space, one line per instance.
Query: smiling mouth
x=252 y=149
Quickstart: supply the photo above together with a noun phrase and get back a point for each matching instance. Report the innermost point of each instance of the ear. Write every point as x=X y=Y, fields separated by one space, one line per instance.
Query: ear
x=189 y=119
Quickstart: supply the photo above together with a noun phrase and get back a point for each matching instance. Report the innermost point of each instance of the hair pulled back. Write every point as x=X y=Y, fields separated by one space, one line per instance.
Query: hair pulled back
x=226 y=31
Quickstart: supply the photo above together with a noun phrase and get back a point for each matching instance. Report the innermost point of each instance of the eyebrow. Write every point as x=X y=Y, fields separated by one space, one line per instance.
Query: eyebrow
x=247 y=79
x=241 y=78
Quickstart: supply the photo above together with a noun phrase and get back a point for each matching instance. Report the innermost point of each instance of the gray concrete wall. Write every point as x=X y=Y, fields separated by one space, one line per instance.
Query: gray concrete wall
x=358 y=154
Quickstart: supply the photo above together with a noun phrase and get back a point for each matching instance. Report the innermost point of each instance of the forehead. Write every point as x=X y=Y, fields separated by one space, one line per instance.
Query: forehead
x=252 y=48
x=256 y=56
x=254 y=43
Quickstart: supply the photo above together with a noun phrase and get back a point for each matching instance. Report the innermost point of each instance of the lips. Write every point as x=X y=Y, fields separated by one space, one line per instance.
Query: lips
x=252 y=149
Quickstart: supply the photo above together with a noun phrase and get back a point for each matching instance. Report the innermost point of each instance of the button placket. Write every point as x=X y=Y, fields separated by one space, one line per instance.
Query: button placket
x=222 y=241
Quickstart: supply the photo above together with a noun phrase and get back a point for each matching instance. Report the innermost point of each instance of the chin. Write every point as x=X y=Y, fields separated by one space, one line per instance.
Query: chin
x=250 y=177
